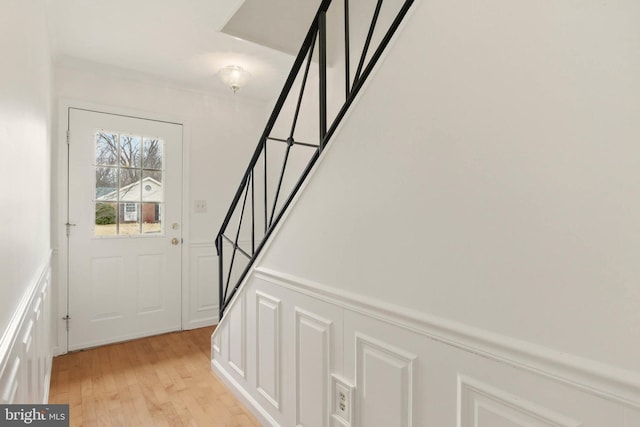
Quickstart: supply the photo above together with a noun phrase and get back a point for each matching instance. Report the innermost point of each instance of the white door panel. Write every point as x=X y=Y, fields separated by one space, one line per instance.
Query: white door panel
x=125 y=247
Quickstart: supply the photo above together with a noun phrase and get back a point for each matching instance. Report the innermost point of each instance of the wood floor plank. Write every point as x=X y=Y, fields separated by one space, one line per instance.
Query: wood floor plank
x=164 y=380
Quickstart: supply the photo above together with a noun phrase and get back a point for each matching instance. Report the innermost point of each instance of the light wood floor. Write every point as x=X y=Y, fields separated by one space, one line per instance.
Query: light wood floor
x=164 y=380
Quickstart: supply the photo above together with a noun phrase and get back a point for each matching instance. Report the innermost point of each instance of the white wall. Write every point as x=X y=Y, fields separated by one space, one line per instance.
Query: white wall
x=481 y=194
x=25 y=184
x=24 y=165
x=488 y=175
x=221 y=132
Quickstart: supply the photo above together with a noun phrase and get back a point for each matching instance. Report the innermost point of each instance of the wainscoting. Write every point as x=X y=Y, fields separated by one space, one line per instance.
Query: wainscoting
x=303 y=354
x=201 y=303
x=26 y=349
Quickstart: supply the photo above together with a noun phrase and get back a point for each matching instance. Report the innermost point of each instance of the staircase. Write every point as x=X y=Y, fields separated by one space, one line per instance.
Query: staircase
x=338 y=54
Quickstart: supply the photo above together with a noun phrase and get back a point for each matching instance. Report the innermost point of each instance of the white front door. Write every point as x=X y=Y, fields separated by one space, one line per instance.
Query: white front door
x=125 y=239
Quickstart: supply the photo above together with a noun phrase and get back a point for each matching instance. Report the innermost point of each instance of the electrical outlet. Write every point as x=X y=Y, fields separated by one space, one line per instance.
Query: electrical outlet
x=200 y=206
x=342 y=401
x=343 y=396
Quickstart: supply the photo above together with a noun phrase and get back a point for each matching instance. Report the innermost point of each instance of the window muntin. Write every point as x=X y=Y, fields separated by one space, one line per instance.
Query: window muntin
x=129 y=191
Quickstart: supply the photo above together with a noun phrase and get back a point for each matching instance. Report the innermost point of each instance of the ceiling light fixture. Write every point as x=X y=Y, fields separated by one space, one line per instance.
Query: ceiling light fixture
x=234 y=77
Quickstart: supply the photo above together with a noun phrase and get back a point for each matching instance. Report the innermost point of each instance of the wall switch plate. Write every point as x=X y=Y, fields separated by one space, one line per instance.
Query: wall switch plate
x=343 y=397
x=200 y=206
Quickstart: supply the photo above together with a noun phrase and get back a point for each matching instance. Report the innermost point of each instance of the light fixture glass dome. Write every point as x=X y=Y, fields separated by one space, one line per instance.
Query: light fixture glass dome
x=234 y=77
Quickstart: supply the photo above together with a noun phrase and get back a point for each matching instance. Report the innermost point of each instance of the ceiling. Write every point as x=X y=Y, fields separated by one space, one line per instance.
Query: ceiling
x=256 y=21
x=182 y=41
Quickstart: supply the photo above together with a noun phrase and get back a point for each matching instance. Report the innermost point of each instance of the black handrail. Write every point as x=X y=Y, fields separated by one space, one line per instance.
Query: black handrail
x=316 y=34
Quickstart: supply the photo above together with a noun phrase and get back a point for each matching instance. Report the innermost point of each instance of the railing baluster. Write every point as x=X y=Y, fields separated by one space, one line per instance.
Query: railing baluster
x=347 y=58
x=368 y=41
x=235 y=245
x=253 y=215
x=265 y=185
x=302 y=87
x=284 y=167
x=274 y=114
x=317 y=33
x=378 y=52
x=221 y=297
x=322 y=64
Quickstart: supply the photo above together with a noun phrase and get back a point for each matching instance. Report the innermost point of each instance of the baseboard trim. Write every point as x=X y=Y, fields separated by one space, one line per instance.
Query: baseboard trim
x=202 y=323
x=258 y=411
x=609 y=382
x=123 y=338
x=58 y=351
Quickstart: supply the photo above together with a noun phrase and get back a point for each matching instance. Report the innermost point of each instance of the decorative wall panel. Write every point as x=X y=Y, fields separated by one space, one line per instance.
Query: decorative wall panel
x=399 y=370
x=384 y=384
x=205 y=281
x=313 y=338
x=237 y=337
x=201 y=301
x=268 y=347
x=25 y=356
x=215 y=343
x=483 y=405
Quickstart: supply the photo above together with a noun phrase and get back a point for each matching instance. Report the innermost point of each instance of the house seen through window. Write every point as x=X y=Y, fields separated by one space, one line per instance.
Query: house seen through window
x=129 y=196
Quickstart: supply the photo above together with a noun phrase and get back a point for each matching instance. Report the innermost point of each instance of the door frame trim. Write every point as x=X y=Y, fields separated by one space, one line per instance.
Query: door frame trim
x=60 y=205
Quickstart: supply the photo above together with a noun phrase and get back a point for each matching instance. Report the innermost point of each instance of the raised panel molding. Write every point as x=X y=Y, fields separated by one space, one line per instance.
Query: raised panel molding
x=614 y=384
x=268 y=347
x=384 y=384
x=11 y=382
x=27 y=337
x=151 y=295
x=25 y=348
x=30 y=370
x=107 y=282
x=37 y=308
x=201 y=302
x=236 y=331
x=215 y=342
x=313 y=364
x=482 y=405
x=205 y=275
x=402 y=377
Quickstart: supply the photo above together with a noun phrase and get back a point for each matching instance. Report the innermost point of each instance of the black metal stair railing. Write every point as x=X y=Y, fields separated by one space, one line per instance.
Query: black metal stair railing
x=257 y=190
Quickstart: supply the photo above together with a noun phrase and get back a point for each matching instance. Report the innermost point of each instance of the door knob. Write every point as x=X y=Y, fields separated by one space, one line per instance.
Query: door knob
x=175 y=241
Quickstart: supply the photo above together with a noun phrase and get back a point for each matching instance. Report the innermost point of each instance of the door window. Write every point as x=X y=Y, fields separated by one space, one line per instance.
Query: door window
x=129 y=193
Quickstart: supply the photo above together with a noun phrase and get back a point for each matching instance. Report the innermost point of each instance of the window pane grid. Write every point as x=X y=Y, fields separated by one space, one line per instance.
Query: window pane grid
x=129 y=193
